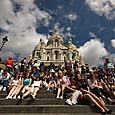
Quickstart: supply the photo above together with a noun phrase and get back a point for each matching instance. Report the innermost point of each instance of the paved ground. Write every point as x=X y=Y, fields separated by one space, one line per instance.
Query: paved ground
x=55 y=114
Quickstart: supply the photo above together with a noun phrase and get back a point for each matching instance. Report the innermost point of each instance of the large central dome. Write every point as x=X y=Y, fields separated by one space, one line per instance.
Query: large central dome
x=54 y=37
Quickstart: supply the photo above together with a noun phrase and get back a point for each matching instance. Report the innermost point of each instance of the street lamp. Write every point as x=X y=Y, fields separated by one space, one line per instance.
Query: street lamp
x=4 y=40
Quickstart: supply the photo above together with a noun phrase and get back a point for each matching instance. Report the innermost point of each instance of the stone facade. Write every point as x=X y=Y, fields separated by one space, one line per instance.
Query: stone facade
x=55 y=51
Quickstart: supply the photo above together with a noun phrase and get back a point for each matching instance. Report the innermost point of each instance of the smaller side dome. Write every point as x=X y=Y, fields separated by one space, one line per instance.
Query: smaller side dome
x=73 y=47
x=40 y=45
x=37 y=47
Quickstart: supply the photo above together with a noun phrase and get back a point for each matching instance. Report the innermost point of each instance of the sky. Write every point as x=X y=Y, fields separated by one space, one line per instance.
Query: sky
x=90 y=24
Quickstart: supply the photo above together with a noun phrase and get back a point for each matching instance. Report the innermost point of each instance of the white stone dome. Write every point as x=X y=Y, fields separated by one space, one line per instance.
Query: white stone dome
x=73 y=47
x=37 y=47
x=55 y=36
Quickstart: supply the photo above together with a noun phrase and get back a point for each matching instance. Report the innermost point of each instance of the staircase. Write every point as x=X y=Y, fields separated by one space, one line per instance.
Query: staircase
x=45 y=103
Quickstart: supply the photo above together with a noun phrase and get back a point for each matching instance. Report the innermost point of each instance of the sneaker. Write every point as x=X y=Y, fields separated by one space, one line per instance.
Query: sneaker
x=18 y=97
x=4 y=89
x=10 y=97
x=14 y=97
x=7 y=97
x=48 y=89
x=68 y=101
x=73 y=103
x=57 y=97
x=33 y=96
x=61 y=97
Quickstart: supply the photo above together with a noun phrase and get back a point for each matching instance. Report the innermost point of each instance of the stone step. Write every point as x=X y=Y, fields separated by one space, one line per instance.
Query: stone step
x=38 y=96
x=113 y=113
x=50 y=109
x=43 y=91
x=32 y=102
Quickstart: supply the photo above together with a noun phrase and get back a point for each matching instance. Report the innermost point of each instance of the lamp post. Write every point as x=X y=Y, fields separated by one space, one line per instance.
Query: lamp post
x=4 y=40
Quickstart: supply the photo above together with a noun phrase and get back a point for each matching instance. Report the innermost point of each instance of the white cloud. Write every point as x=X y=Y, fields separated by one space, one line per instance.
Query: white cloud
x=58 y=28
x=92 y=51
x=60 y=7
x=68 y=28
x=62 y=31
x=113 y=42
x=92 y=35
x=21 y=25
x=101 y=29
x=102 y=7
x=72 y=16
x=68 y=34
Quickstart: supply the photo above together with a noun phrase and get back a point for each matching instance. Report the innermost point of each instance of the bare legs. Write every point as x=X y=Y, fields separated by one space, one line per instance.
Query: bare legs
x=11 y=92
x=96 y=101
x=93 y=98
x=25 y=91
x=36 y=89
x=16 y=92
x=63 y=90
x=61 y=87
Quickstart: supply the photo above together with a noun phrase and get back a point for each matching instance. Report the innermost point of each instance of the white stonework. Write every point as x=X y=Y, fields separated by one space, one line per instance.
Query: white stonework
x=55 y=51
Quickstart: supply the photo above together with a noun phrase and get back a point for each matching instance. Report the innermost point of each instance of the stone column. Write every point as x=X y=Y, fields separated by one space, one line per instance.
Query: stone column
x=70 y=55
x=53 y=55
x=41 y=53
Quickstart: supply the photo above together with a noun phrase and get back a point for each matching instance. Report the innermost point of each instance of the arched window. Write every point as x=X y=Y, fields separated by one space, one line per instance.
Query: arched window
x=56 y=43
x=73 y=55
x=56 y=55
x=64 y=55
x=37 y=53
x=48 y=58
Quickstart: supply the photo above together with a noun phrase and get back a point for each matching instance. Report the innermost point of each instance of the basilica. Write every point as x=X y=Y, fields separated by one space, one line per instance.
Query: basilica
x=55 y=51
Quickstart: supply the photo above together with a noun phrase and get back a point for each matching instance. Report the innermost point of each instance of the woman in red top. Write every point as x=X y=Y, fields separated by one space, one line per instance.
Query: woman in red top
x=9 y=64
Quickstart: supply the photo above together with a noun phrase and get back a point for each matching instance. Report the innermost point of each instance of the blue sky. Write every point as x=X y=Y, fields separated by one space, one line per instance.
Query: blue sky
x=90 y=24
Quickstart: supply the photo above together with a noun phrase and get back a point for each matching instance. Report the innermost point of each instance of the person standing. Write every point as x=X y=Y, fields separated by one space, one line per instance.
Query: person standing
x=9 y=64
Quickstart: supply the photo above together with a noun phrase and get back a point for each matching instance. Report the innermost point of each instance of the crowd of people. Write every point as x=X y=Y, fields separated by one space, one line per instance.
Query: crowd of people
x=84 y=85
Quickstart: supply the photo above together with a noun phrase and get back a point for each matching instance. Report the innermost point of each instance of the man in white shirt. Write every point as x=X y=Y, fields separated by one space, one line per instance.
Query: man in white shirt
x=5 y=79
